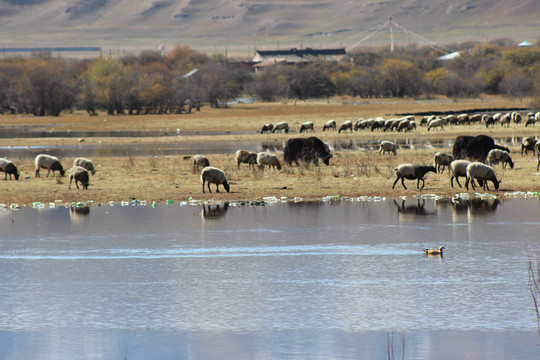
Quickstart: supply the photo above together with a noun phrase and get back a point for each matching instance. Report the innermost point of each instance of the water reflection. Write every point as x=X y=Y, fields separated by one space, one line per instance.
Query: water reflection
x=285 y=280
x=89 y=149
x=473 y=208
x=78 y=214
x=214 y=211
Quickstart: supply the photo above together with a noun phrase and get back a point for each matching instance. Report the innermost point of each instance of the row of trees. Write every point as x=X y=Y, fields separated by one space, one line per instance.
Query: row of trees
x=151 y=83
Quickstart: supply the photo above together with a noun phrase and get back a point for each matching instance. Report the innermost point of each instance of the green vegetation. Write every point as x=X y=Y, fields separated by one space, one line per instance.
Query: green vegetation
x=153 y=84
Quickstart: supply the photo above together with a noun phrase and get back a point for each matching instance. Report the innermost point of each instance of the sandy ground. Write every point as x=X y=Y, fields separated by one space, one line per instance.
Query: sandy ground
x=350 y=174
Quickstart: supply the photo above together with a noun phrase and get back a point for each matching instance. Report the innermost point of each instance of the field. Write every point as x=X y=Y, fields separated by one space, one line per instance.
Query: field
x=352 y=173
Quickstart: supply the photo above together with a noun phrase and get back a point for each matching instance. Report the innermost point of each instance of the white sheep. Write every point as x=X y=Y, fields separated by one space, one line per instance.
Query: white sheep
x=387 y=146
x=308 y=125
x=8 y=167
x=496 y=156
x=442 y=160
x=48 y=162
x=200 y=161
x=527 y=143
x=281 y=126
x=247 y=157
x=347 y=125
x=264 y=158
x=458 y=168
x=213 y=175
x=482 y=173
x=85 y=163
x=438 y=122
x=330 y=124
x=80 y=174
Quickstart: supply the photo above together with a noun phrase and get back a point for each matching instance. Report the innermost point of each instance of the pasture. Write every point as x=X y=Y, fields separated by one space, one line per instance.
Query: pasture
x=156 y=176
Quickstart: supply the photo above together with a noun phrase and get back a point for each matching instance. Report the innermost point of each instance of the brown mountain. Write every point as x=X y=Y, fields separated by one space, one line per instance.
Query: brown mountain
x=242 y=25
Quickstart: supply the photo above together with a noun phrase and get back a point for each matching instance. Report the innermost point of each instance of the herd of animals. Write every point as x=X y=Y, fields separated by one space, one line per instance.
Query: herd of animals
x=408 y=123
x=472 y=157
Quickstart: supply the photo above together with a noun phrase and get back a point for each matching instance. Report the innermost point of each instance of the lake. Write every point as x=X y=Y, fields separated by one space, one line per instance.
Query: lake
x=325 y=280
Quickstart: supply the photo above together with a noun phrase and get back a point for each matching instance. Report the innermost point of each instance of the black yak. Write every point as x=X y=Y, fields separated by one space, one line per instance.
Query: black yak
x=306 y=149
x=475 y=147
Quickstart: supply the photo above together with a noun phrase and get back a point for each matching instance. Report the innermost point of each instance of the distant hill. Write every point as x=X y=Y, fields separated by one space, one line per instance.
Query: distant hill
x=240 y=26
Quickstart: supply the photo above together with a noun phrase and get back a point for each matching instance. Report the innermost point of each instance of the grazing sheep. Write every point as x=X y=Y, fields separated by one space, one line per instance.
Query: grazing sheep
x=531 y=120
x=516 y=117
x=442 y=160
x=387 y=146
x=527 y=143
x=213 y=175
x=247 y=157
x=505 y=119
x=362 y=124
x=48 y=162
x=496 y=156
x=8 y=167
x=79 y=174
x=308 y=125
x=412 y=172
x=438 y=122
x=85 y=163
x=435 y=251
x=483 y=172
x=347 y=125
x=489 y=121
x=330 y=124
x=264 y=158
x=267 y=128
x=458 y=168
x=200 y=161
x=281 y=126
x=537 y=152
x=378 y=124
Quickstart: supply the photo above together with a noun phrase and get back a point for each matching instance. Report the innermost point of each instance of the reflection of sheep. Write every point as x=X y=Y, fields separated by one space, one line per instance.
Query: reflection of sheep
x=330 y=124
x=200 y=161
x=216 y=211
x=387 y=146
x=48 y=162
x=481 y=171
x=442 y=160
x=213 y=175
x=458 y=168
x=281 y=126
x=308 y=125
x=8 y=167
x=496 y=156
x=412 y=172
x=85 y=163
x=80 y=174
x=247 y=157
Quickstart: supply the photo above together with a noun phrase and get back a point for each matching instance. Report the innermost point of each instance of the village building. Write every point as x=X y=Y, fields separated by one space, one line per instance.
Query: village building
x=266 y=58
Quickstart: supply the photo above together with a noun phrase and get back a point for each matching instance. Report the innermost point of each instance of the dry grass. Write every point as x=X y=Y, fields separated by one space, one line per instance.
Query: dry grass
x=158 y=178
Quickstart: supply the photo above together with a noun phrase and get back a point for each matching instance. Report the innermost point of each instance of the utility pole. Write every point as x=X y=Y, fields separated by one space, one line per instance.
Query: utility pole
x=391 y=37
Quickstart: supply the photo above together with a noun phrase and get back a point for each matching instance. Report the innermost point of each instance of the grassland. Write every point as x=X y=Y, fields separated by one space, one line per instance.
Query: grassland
x=352 y=173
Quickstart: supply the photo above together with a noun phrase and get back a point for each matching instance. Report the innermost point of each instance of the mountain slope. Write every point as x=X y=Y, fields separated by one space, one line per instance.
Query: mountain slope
x=244 y=24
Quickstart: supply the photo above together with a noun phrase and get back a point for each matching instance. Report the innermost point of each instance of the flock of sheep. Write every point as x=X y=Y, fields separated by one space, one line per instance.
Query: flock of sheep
x=479 y=169
x=79 y=172
x=408 y=123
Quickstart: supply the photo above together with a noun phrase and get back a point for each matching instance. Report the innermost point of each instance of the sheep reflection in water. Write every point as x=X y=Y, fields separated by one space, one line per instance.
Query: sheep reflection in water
x=214 y=212
x=418 y=209
x=78 y=214
x=474 y=206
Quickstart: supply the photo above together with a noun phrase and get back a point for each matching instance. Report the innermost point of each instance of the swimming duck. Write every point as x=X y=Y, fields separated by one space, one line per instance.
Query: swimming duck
x=434 y=251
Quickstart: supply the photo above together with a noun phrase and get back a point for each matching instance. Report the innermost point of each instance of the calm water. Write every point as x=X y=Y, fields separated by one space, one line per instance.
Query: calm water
x=281 y=281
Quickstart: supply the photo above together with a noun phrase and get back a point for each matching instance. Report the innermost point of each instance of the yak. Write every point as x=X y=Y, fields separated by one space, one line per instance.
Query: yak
x=308 y=150
x=475 y=147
